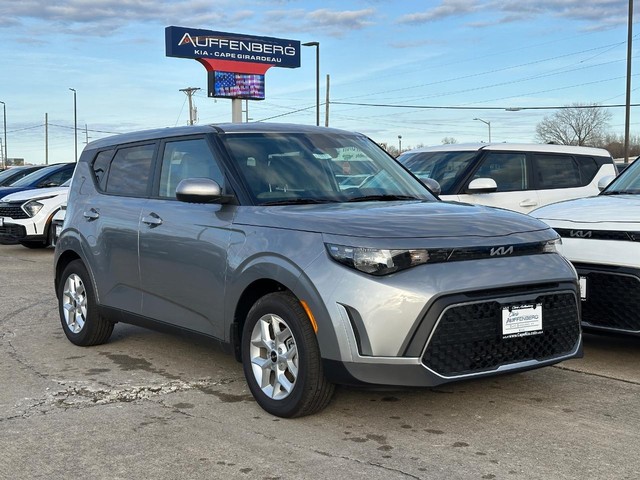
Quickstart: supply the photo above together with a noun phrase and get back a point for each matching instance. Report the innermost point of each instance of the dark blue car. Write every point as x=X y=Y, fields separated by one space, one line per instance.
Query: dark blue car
x=51 y=176
x=13 y=174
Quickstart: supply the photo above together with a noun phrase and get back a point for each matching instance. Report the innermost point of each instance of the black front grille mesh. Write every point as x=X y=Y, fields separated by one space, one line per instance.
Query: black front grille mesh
x=12 y=211
x=468 y=338
x=613 y=301
x=621 y=236
x=12 y=233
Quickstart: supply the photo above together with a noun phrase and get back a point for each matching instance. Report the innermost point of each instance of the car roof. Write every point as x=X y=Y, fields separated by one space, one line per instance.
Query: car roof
x=221 y=128
x=526 y=147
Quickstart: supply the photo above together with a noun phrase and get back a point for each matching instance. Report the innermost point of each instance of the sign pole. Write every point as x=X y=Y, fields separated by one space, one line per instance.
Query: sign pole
x=236 y=110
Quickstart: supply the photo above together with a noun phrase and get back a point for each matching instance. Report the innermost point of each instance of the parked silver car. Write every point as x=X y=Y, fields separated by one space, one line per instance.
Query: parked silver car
x=241 y=233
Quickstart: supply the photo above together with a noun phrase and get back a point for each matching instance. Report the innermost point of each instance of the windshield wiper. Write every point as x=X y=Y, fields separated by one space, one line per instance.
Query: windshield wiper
x=382 y=198
x=299 y=201
x=621 y=192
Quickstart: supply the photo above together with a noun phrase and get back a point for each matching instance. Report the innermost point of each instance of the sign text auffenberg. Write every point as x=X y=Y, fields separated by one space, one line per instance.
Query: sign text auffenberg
x=192 y=43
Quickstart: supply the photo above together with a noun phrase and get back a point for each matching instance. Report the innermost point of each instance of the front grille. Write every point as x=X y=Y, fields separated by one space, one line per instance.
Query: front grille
x=613 y=300
x=12 y=210
x=618 y=235
x=468 y=339
x=12 y=233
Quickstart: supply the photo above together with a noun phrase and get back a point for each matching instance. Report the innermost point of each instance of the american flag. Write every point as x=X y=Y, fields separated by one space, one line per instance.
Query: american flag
x=239 y=85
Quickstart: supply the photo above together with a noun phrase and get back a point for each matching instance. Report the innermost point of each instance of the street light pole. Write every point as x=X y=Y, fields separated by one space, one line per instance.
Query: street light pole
x=399 y=144
x=488 y=124
x=317 y=45
x=4 y=123
x=75 y=123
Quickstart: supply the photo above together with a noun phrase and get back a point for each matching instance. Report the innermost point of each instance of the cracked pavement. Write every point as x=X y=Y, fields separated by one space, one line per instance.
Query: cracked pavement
x=150 y=405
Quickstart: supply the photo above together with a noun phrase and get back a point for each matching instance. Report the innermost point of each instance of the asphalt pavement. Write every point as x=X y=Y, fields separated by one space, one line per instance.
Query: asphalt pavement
x=150 y=405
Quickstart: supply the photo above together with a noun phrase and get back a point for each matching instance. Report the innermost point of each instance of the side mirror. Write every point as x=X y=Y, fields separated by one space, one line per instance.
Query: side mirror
x=200 y=190
x=604 y=182
x=482 y=185
x=432 y=185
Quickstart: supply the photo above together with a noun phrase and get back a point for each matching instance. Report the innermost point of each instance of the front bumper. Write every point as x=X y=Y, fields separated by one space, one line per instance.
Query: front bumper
x=461 y=337
x=612 y=298
x=10 y=234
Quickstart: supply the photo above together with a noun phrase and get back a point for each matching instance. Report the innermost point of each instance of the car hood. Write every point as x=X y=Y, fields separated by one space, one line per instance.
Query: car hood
x=600 y=209
x=33 y=194
x=398 y=219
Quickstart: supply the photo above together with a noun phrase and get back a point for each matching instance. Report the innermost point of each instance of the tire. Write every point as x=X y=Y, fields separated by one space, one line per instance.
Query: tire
x=81 y=322
x=34 y=244
x=281 y=358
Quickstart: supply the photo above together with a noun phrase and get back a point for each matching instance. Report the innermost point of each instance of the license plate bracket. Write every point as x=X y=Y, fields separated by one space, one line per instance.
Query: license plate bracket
x=522 y=320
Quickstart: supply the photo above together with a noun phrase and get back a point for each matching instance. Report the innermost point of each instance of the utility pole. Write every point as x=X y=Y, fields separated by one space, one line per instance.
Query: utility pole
x=326 y=110
x=246 y=111
x=86 y=134
x=75 y=123
x=46 y=139
x=189 y=92
x=628 y=96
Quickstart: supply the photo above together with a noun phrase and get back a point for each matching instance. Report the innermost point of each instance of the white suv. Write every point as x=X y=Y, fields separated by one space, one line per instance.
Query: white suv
x=25 y=217
x=517 y=177
x=601 y=237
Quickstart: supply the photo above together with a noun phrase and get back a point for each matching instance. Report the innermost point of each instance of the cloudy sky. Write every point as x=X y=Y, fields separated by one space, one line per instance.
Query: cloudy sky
x=386 y=59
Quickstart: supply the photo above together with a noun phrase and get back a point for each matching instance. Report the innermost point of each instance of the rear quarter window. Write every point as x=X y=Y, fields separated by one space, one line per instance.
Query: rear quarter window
x=588 y=168
x=100 y=167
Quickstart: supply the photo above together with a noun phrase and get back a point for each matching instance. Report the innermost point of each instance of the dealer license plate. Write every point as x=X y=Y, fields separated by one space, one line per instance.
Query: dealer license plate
x=583 y=288
x=521 y=320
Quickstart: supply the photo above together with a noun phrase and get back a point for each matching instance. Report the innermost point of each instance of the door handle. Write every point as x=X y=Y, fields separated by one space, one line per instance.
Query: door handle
x=528 y=203
x=91 y=214
x=152 y=220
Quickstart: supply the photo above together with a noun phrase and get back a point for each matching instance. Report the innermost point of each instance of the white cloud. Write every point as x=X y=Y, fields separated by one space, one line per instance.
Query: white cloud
x=598 y=14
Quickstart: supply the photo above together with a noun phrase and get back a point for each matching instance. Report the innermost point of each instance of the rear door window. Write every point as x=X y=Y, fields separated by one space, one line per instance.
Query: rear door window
x=556 y=171
x=130 y=171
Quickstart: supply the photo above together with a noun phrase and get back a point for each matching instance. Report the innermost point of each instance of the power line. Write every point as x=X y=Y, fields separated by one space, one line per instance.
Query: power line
x=458 y=107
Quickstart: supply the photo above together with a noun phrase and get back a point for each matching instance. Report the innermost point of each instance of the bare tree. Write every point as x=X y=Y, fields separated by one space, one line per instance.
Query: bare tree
x=577 y=124
x=449 y=140
x=615 y=145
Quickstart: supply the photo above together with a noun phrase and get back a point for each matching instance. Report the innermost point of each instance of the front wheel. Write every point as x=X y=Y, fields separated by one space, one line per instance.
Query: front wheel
x=34 y=244
x=81 y=322
x=281 y=358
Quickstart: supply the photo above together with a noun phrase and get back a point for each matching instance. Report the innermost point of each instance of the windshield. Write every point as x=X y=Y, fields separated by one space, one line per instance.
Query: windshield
x=287 y=168
x=8 y=173
x=35 y=177
x=627 y=183
x=444 y=167
x=13 y=174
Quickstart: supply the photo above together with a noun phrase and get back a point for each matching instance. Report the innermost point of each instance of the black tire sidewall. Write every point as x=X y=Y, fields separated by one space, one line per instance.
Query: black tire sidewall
x=277 y=304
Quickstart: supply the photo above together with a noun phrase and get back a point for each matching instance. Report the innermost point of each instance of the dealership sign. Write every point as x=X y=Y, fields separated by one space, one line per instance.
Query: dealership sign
x=231 y=47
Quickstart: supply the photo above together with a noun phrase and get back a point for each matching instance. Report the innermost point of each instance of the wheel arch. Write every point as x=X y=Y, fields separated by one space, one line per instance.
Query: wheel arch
x=62 y=262
x=271 y=275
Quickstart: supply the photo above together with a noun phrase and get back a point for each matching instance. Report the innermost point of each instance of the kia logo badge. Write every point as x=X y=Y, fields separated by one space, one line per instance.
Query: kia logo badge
x=499 y=251
x=580 y=233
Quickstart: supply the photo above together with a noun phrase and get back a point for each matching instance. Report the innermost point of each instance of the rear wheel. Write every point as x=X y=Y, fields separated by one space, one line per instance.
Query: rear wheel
x=78 y=309
x=281 y=358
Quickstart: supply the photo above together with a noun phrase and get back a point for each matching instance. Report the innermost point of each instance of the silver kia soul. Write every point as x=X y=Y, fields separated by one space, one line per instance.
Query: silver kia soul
x=313 y=256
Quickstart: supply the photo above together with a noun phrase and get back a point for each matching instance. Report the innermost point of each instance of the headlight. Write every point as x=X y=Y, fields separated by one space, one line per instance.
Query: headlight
x=32 y=208
x=382 y=262
x=376 y=261
x=552 y=246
